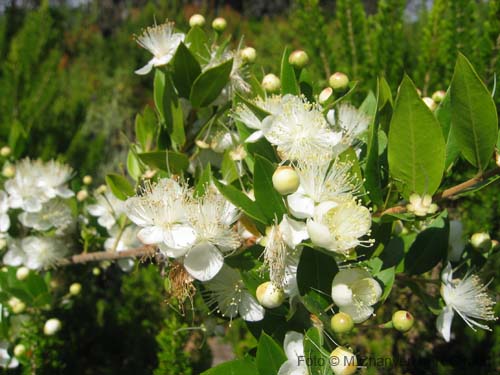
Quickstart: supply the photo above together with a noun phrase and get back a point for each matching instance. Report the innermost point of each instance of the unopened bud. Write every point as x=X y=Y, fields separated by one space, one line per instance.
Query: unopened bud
x=101 y=189
x=22 y=273
x=19 y=350
x=96 y=271
x=16 y=305
x=248 y=55
x=9 y=170
x=341 y=323
x=52 y=326
x=438 y=96
x=325 y=95
x=481 y=241
x=431 y=104
x=298 y=59
x=286 y=180
x=219 y=24
x=75 y=289
x=196 y=20
x=338 y=81
x=87 y=180
x=271 y=83
x=402 y=320
x=269 y=295
x=343 y=361
x=5 y=151
x=82 y=195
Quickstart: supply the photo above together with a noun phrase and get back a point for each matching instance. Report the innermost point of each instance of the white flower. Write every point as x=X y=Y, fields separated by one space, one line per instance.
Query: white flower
x=54 y=214
x=15 y=255
x=290 y=286
x=162 y=42
x=301 y=132
x=355 y=291
x=294 y=350
x=468 y=298
x=232 y=298
x=321 y=182
x=338 y=227
x=6 y=361
x=4 y=212
x=36 y=182
x=350 y=122
x=456 y=241
x=280 y=241
x=107 y=209
x=42 y=252
x=421 y=205
x=125 y=240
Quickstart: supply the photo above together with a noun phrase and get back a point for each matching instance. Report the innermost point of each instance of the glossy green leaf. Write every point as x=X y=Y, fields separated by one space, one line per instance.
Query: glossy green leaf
x=473 y=115
x=133 y=165
x=197 y=41
x=207 y=87
x=289 y=84
x=145 y=128
x=416 y=149
x=170 y=161
x=203 y=181
x=235 y=367
x=268 y=199
x=186 y=70
x=443 y=114
x=228 y=168
x=270 y=355
x=316 y=271
x=120 y=186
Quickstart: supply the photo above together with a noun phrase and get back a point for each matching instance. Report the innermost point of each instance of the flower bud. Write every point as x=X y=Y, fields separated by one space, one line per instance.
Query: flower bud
x=343 y=361
x=286 y=180
x=338 y=81
x=196 y=20
x=19 y=350
x=52 y=326
x=271 y=83
x=481 y=241
x=219 y=24
x=16 y=305
x=341 y=323
x=298 y=59
x=431 y=104
x=75 y=289
x=269 y=295
x=87 y=180
x=325 y=95
x=101 y=189
x=438 y=96
x=5 y=151
x=402 y=320
x=248 y=55
x=82 y=195
x=96 y=271
x=9 y=170
x=22 y=273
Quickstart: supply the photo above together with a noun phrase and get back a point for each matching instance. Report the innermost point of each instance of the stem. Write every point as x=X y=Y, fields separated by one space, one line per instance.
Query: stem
x=139 y=252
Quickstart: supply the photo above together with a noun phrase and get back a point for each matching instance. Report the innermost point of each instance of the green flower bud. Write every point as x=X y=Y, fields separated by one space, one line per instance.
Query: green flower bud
x=219 y=24
x=75 y=289
x=19 y=350
x=343 y=361
x=271 y=83
x=196 y=20
x=5 y=151
x=298 y=59
x=87 y=180
x=286 y=180
x=269 y=295
x=22 y=273
x=481 y=241
x=338 y=81
x=431 y=104
x=52 y=326
x=402 y=320
x=438 y=96
x=248 y=55
x=341 y=323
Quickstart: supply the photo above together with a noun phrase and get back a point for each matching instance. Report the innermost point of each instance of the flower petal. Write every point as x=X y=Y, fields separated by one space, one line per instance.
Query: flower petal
x=254 y=137
x=250 y=310
x=358 y=313
x=293 y=231
x=203 y=261
x=145 y=69
x=443 y=323
x=319 y=233
x=294 y=345
x=300 y=205
x=151 y=235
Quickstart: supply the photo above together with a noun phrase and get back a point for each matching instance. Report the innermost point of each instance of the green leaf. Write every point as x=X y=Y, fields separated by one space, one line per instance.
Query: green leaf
x=203 y=181
x=270 y=355
x=317 y=357
x=315 y=271
x=473 y=115
x=133 y=165
x=159 y=93
x=120 y=186
x=430 y=246
x=268 y=199
x=289 y=83
x=387 y=277
x=207 y=87
x=384 y=93
x=228 y=168
x=145 y=128
x=186 y=70
x=416 y=149
x=167 y=161
x=240 y=200
x=197 y=41
x=236 y=367
x=443 y=114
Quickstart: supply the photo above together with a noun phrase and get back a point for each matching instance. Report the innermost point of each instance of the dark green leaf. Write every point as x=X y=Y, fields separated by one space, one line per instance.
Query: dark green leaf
x=289 y=83
x=186 y=70
x=268 y=199
x=317 y=357
x=235 y=367
x=145 y=128
x=170 y=161
x=120 y=186
x=203 y=181
x=443 y=114
x=270 y=356
x=209 y=84
x=197 y=41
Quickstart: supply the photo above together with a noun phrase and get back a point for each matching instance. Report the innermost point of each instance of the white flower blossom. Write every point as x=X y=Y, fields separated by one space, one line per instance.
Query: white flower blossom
x=321 y=182
x=107 y=209
x=468 y=298
x=15 y=255
x=35 y=252
x=4 y=212
x=355 y=291
x=227 y=290
x=125 y=240
x=294 y=350
x=421 y=205
x=350 y=123
x=162 y=42
x=54 y=214
x=6 y=361
x=339 y=227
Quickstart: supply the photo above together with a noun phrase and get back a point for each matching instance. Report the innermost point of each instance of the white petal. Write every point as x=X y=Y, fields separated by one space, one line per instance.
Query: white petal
x=330 y=116
x=291 y=367
x=443 y=323
x=367 y=290
x=180 y=237
x=322 y=208
x=319 y=233
x=172 y=252
x=96 y=209
x=14 y=257
x=294 y=345
x=64 y=192
x=250 y=310
x=254 y=137
x=151 y=235
x=341 y=295
x=203 y=261
x=447 y=274
x=300 y=205
x=358 y=313
x=293 y=231
x=126 y=264
x=4 y=222
x=32 y=204
x=145 y=69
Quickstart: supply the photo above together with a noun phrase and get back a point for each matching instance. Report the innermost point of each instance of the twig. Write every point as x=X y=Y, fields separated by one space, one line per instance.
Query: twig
x=139 y=252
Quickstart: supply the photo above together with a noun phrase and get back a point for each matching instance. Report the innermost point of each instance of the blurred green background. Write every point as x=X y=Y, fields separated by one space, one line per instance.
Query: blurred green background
x=67 y=90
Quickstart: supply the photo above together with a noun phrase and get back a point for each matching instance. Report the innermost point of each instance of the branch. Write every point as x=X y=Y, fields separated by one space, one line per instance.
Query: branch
x=448 y=193
x=138 y=252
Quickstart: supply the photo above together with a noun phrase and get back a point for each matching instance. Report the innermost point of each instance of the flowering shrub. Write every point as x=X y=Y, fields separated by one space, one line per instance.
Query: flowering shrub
x=291 y=209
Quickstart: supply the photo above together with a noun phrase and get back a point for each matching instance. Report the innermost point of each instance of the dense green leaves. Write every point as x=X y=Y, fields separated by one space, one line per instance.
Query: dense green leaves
x=167 y=161
x=473 y=115
x=207 y=87
x=119 y=185
x=416 y=145
x=270 y=355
